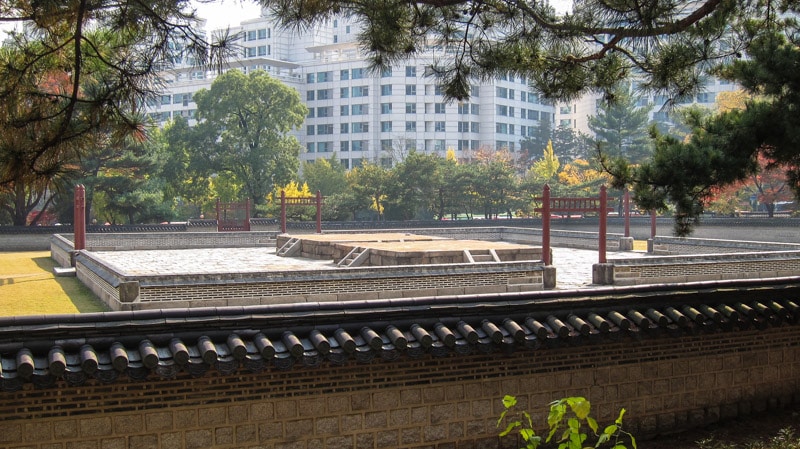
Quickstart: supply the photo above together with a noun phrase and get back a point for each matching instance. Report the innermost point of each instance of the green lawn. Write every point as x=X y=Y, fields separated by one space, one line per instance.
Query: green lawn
x=29 y=287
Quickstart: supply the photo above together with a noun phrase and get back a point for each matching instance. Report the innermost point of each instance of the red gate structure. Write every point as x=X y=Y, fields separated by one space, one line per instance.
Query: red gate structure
x=79 y=212
x=233 y=217
x=570 y=205
x=301 y=201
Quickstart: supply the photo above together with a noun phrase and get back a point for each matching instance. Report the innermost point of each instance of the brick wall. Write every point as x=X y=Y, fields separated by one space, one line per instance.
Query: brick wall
x=676 y=269
x=665 y=383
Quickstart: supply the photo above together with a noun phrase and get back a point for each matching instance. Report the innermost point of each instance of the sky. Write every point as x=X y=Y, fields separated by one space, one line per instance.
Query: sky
x=224 y=13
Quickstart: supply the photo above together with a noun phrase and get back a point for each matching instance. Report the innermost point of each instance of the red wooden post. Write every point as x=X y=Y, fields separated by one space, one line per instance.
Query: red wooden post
x=219 y=219
x=283 y=212
x=603 y=216
x=653 y=224
x=627 y=201
x=319 y=212
x=546 y=225
x=80 y=218
x=247 y=215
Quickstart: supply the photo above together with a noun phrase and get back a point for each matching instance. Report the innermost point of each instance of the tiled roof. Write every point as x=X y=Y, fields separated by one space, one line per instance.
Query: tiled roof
x=115 y=346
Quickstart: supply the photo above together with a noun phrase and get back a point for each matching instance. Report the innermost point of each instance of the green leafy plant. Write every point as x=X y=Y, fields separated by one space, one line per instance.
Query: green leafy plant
x=568 y=414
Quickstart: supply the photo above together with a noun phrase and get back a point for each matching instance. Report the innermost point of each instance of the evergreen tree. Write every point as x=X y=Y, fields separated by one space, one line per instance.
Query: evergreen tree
x=724 y=149
x=620 y=129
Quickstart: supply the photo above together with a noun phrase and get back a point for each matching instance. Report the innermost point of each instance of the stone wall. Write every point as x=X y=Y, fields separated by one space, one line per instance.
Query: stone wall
x=666 y=384
x=694 y=268
x=122 y=292
x=675 y=245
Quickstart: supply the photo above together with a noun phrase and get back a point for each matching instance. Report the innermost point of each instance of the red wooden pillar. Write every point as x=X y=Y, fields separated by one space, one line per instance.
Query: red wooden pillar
x=319 y=212
x=653 y=224
x=219 y=219
x=603 y=215
x=546 y=225
x=80 y=218
x=247 y=216
x=627 y=205
x=283 y=212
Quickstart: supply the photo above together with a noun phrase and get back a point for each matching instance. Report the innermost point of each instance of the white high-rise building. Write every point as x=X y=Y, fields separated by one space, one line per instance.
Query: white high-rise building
x=364 y=116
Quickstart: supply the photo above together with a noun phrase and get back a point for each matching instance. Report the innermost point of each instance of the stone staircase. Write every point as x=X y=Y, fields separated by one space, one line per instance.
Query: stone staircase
x=290 y=248
x=355 y=258
x=480 y=255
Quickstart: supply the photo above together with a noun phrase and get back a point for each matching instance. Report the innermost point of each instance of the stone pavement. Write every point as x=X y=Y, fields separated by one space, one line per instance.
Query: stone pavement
x=573 y=266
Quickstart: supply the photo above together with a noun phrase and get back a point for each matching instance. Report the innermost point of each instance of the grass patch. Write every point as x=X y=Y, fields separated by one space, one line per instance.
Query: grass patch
x=28 y=286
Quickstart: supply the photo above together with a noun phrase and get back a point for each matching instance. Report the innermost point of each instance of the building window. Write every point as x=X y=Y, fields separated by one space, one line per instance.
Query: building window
x=502 y=110
x=359 y=109
x=474 y=109
x=411 y=108
x=411 y=126
x=387 y=72
x=325 y=112
x=359 y=145
x=386 y=145
x=440 y=108
x=310 y=113
x=310 y=78
x=251 y=52
x=360 y=91
x=357 y=74
x=344 y=110
x=324 y=147
x=501 y=128
x=310 y=147
x=344 y=128
x=262 y=33
x=411 y=89
x=310 y=130
x=501 y=92
x=310 y=95
x=474 y=127
x=360 y=127
x=463 y=127
x=386 y=108
x=463 y=145
x=463 y=108
x=386 y=89
x=251 y=35
x=323 y=77
x=386 y=127
x=325 y=129
x=262 y=50
x=411 y=71
x=439 y=126
x=344 y=75
x=344 y=145
x=344 y=92
x=325 y=94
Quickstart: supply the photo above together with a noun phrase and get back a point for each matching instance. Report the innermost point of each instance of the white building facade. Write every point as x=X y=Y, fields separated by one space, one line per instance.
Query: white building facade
x=364 y=116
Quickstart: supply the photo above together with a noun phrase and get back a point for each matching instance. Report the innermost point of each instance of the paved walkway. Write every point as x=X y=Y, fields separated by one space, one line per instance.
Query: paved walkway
x=573 y=266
